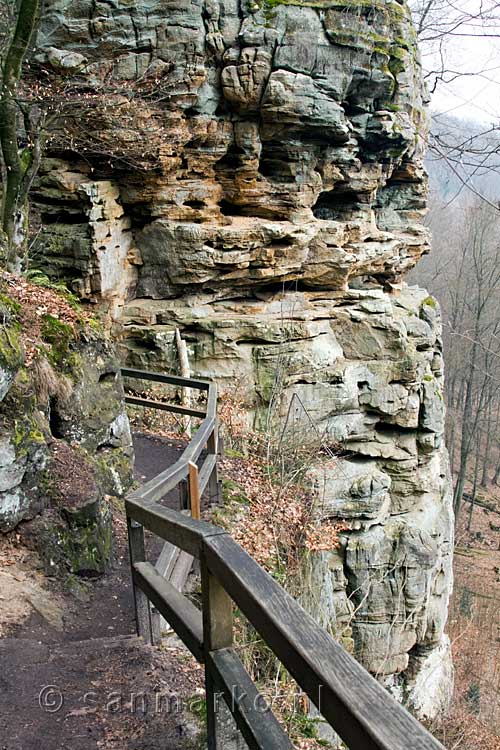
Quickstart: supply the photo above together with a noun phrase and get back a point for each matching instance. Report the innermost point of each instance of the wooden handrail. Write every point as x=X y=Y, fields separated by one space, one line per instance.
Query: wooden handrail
x=158 y=377
x=358 y=708
x=152 y=404
x=171 y=565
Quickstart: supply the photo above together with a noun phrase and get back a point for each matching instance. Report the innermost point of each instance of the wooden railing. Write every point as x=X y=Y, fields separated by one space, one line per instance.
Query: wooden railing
x=358 y=708
x=173 y=563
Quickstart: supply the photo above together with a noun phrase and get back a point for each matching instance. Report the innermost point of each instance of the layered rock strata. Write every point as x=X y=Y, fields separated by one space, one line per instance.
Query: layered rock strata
x=251 y=174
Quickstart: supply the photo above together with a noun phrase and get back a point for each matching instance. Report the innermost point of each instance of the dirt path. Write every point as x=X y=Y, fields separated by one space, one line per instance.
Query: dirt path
x=93 y=665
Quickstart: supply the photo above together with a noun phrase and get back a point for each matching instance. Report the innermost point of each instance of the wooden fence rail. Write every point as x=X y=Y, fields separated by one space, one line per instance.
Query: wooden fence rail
x=358 y=708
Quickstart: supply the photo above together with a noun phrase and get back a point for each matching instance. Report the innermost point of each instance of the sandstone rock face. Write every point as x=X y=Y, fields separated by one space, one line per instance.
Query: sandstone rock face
x=266 y=145
x=73 y=536
x=251 y=174
x=366 y=368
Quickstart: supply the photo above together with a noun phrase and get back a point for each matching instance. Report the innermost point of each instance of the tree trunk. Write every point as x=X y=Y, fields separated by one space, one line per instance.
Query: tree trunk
x=474 y=488
x=451 y=442
x=465 y=445
x=496 y=435
x=489 y=440
x=496 y=478
x=185 y=393
x=17 y=169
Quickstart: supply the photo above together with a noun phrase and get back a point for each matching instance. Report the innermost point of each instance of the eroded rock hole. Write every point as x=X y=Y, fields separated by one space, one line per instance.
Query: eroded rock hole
x=107 y=377
x=231 y=209
x=337 y=204
x=232 y=159
x=274 y=164
x=63 y=217
x=55 y=420
x=138 y=345
x=139 y=214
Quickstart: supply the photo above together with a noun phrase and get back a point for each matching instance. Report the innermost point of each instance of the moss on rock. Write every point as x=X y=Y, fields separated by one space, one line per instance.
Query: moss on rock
x=113 y=470
x=11 y=348
x=61 y=338
x=38 y=416
x=75 y=542
x=75 y=535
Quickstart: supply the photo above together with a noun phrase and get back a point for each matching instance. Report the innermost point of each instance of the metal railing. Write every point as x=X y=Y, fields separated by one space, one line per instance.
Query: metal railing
x=357 y=707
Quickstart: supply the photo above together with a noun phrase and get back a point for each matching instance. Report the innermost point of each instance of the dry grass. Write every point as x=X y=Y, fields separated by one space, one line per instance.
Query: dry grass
x=49 y=383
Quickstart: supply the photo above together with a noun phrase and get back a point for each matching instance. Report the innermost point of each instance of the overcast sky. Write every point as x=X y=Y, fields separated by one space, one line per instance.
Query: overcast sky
x=478 y=95
x=471 y=33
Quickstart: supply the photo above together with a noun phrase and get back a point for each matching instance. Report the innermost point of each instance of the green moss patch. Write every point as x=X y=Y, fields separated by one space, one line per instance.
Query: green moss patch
x=11 y=348
x=60 y=336
x=9 y=304
x=430 y=302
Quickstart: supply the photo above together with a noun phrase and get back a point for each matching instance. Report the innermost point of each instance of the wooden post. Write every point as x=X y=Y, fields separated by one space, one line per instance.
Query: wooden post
x=217 y=633
x=141 y=602
x=213 y=482
x=194 y=491
x=156 y=619
x=185 y=373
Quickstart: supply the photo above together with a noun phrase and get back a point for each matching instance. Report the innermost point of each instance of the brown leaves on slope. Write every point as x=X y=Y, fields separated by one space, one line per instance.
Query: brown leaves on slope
x=35 y=302
x=273 y=523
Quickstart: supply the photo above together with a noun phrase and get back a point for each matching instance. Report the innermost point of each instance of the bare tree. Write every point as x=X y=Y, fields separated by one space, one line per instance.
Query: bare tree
x=440 y=23
x=446 y=29
x=109 y=122
x=464 y=272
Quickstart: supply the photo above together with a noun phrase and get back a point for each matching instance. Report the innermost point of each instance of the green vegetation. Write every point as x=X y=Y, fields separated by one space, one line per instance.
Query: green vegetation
x=59 y=336
x=9 y=304
x=233 y=493
x=198 y=707
x=394 y=9
x=473 y=697
x=232 y=453
x=26 y=432
x=307 y=726
x=77 y=543
x=430 y=302
x=113 y=470
x=396 y=65
x=11 y=350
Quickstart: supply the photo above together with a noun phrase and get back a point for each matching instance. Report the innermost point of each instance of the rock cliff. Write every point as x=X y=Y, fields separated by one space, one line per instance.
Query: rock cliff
x=65 y=441
x=250 y=173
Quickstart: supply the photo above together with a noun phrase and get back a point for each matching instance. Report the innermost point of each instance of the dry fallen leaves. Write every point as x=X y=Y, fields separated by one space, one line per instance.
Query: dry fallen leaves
x=36 y=302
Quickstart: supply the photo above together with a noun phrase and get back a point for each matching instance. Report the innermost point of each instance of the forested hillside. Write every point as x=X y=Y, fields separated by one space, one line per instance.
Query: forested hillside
x=463 y=272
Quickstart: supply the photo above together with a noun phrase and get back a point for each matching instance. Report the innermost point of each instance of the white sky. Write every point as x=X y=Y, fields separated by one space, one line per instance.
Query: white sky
x=471 y=50
x=478 y=95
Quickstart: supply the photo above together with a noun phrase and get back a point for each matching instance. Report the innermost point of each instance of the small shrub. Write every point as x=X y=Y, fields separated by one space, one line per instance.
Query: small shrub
x=473 y=697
